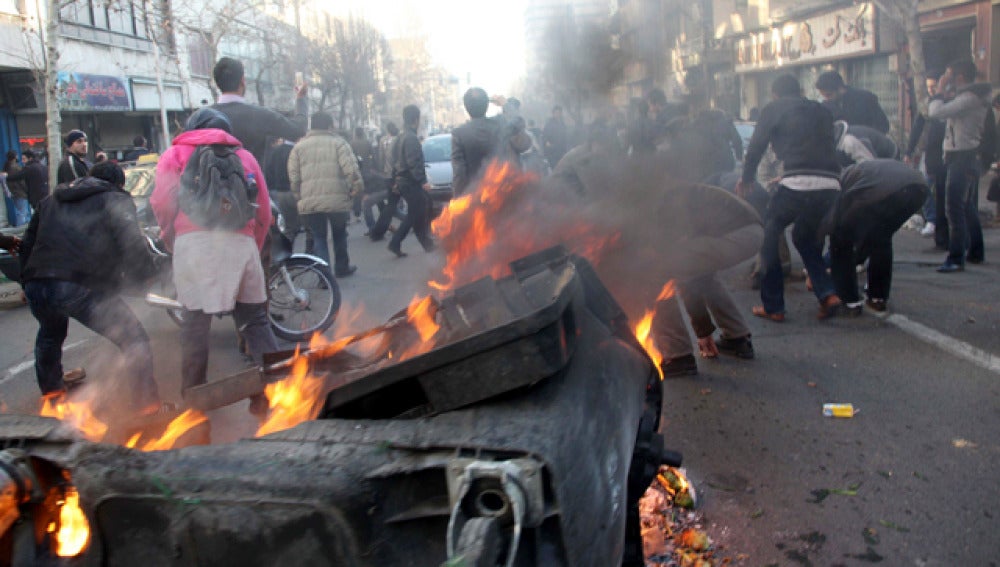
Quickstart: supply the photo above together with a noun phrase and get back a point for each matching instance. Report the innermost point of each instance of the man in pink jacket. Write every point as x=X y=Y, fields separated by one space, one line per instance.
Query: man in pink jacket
x=215 y=271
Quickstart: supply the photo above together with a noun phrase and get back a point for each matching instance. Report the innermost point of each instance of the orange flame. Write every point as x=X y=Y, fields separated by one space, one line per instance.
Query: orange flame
x=645 y=326
x=472 y=217
x=294 y=399
x=419 y=314
x=73 y=532
x=79 y=414
x=177 y=427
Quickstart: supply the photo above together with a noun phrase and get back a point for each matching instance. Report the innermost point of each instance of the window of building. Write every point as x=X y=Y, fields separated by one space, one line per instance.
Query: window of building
x=200 y=52
x=127 y=17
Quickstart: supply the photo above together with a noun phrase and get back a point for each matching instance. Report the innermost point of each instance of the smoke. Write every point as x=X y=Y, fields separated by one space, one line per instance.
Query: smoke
x=636 y=221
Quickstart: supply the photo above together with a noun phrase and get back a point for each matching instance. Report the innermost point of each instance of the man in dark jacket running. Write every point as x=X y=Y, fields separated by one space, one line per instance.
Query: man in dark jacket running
x=410 y=177
x=74 y=255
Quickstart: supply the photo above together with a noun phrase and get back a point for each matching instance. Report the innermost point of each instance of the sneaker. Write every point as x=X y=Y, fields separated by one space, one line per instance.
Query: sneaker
x=914 y=223
x=740 y=347
x=686 y=365
x=877 y=305
x=949 y=268
x=928 y=230
x=853 y=309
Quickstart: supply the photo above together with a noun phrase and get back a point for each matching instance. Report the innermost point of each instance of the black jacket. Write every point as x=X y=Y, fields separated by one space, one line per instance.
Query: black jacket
x=801 y=132
x=36 y=178
x=253 y=124
x=929 y=134
x=86 y=233
x=859 y=107
x=408 y=164
x=471 y=145
x=276 y=168
x=135 y=153
x=72 y=167
x=885 y=185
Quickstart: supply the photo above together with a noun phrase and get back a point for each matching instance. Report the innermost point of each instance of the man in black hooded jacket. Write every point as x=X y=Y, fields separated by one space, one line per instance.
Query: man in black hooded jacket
x=75 y=256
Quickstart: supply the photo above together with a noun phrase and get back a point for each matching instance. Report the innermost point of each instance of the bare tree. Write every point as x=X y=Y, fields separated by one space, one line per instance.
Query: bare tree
x=348 y=68
x=906 y=15
x=53 y=119
x=327 y=74
x=361 y=50
x=217 y=21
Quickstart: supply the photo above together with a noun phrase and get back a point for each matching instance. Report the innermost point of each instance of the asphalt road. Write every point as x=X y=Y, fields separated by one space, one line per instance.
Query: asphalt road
x=910 y=480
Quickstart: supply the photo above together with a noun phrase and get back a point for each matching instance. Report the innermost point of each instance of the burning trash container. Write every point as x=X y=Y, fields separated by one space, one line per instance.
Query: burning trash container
x=525 y=436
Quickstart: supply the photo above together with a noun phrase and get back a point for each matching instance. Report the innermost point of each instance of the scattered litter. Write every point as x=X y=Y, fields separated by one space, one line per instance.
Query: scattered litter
x=706 y=391
x=893 y=526
x=963 y=444
x=839 y=410
x=811 y=384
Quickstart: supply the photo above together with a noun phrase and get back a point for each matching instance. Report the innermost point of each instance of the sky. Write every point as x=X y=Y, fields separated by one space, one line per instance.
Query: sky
x=464 y=36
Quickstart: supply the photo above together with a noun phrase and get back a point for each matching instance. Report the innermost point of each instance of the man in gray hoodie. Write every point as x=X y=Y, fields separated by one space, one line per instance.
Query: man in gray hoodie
x=963 y=104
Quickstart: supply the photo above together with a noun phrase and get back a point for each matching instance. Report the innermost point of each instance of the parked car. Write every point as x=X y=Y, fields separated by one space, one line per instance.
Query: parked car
x=437 y=155
x=10 y=265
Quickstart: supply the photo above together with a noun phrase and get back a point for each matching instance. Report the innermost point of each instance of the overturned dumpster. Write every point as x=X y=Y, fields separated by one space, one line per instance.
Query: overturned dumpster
x=525 y=437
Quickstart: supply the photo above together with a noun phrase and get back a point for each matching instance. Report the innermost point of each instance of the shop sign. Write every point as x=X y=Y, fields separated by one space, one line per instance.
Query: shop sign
x=834 y=35
x=80 y=91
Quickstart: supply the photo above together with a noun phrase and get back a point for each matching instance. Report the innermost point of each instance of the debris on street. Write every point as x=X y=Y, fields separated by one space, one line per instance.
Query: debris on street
x=673 y=530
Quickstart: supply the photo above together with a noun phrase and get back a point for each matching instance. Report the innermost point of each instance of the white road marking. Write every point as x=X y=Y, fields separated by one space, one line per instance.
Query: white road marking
x=19 y=368
x=951 y=345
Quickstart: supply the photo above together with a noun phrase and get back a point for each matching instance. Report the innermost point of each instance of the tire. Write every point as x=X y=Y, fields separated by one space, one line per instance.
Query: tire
x=313 y=310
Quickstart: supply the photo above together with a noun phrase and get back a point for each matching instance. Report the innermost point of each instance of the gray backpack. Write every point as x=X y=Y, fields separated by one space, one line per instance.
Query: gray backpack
x=214 y=190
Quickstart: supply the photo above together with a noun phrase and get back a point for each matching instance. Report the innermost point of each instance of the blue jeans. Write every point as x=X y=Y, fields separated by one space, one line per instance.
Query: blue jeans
x=53 y=302
x=22 y=212
x=317 y=223
x=962 y=207
x=806 y=209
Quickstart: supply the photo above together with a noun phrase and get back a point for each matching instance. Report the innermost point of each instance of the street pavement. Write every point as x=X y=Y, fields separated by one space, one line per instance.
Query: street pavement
x=910 y=480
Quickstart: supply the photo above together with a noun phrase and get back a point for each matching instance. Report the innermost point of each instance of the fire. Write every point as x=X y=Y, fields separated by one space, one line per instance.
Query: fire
x=177 y=427
x=294 y=399
x=79 y=414
x=419 y=314
x=73 y=532
x=472 y=218
x=645 y=326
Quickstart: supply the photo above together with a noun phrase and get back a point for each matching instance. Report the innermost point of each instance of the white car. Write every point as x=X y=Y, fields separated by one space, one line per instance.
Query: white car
x=437 y=156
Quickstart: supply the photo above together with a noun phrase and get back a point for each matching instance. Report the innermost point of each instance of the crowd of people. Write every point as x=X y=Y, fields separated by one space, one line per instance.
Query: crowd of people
x=827 y=167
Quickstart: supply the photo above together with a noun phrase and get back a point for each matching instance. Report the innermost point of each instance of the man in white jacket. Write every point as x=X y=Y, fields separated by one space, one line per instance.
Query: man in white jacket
x=963 y=104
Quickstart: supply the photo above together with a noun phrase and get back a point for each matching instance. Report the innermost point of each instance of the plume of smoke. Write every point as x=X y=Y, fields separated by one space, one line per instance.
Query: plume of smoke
x=639 y=225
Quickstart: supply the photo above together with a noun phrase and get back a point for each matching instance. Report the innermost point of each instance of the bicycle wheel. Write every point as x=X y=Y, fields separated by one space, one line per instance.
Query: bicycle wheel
x=303 y=298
